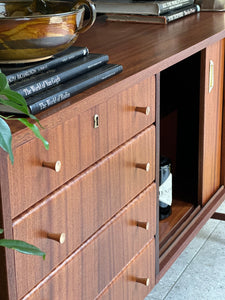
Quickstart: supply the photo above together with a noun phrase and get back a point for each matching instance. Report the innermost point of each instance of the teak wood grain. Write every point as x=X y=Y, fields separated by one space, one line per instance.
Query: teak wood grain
x=143 y=266
x=93 y=266
x=7 y=278
x=77 y=144
x=82 y=206
x=142 y=49
x=211 y=110
x=180 y=211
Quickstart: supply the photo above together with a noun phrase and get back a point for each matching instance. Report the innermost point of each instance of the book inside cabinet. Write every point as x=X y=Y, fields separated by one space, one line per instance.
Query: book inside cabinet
x=191 y=101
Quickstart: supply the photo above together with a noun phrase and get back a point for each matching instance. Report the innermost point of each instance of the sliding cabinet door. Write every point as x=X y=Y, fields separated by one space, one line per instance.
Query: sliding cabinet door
x=210 y=132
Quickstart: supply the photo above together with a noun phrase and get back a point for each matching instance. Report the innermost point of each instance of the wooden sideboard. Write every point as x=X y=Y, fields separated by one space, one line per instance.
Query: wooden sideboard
x=103 y=203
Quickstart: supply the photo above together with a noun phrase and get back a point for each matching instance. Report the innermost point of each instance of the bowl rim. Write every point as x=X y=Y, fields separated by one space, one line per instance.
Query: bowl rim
x=77 y=10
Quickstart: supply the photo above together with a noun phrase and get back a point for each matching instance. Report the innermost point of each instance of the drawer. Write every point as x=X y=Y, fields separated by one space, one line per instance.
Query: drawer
x=77 y=144
x=85 y=273
x=136 y=281
x=83 y=205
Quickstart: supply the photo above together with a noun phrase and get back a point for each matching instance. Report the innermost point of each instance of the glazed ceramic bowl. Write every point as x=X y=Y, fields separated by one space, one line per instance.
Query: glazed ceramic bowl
x=27 y=36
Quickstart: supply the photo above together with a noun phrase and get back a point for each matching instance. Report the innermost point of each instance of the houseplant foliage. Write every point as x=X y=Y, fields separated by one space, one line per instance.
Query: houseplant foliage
x=21 y=246
x=13 y=99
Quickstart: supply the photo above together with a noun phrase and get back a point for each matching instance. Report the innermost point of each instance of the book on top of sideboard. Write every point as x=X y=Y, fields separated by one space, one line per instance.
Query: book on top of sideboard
x=41 y=82
x=162 y=19
x=67 y=89
x=140 y=7
x=18 y=72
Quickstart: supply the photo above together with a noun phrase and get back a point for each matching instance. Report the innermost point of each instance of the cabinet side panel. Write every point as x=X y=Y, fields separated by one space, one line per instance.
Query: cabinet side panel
x=7 y=262
x=223 y=138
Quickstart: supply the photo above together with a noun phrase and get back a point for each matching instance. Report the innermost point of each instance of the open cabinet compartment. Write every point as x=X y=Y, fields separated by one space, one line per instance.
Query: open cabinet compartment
x=190 y=135
x=179 y=138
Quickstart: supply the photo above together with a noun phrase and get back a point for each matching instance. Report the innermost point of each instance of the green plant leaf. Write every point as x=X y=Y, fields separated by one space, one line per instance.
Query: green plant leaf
x=36 y=119
x=1 y=230
x=22 y=247
x=11 y=103
x=13 y=95
x=6 y=138
x=35 y=130
x=3 y=82
x=12 y=98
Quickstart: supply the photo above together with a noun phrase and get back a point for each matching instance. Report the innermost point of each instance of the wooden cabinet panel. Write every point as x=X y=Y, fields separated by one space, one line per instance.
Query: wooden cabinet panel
x=93 y=266
x=119 y=118
x=82 y=206
x=125 y=286
x=77 y=144
x=124 y=119
x=211 y=102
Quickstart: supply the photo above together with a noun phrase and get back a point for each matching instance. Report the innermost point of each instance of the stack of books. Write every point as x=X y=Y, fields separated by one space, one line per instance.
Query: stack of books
x=149 y=11
x=54 y=80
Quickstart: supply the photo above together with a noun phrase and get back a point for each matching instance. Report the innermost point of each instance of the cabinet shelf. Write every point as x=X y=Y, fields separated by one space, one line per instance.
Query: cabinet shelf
x=168 y=227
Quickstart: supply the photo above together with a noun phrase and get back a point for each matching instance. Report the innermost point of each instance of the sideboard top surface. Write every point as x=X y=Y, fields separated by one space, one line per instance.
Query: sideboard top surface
x=142 y=49
x=153 y=46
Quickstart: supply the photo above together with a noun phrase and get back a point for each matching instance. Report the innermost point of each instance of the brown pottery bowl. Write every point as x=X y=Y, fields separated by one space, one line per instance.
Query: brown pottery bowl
x=27 y=36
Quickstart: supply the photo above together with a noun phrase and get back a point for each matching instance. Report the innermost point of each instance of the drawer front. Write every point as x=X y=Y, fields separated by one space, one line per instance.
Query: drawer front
x=93 y=266
x=77 y=144
x=82 y=206
x=136 y=281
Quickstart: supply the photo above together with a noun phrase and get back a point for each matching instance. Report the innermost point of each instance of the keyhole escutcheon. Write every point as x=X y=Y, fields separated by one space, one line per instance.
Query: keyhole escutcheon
x=96 y=121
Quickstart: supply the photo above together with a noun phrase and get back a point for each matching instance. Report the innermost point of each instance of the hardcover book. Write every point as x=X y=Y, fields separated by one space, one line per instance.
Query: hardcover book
x=162 y=19
x=20 y=71
x=67 y=89
x=41 y=82
x=158 y=7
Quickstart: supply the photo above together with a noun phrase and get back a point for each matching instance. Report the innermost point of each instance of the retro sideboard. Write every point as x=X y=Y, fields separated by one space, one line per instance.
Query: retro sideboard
x=103 y=203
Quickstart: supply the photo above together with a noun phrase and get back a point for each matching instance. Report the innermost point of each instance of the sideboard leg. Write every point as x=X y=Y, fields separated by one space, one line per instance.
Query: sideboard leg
x=218 y=216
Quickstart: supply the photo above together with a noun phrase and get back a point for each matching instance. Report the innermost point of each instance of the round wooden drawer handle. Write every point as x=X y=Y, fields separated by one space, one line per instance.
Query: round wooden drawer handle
x=56 y=166
x=58 y=237
x=144 y=110
x=144 y=225
x=145 y=167
x=145 y=281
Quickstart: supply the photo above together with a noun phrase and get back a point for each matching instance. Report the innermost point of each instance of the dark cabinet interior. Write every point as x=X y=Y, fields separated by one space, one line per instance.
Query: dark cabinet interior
x=179 y=138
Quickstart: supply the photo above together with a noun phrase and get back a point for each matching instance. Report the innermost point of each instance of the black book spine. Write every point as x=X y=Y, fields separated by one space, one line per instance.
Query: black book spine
x=55 y=77
x=73 y=87
x=177 y=14
x=172 y=5
x=57 y=60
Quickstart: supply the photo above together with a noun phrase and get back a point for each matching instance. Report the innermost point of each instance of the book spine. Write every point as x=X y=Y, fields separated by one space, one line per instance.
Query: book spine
x=185 y=12
x=52 y=80
x=168 y=6
x=45 y=66
x=73 y=89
